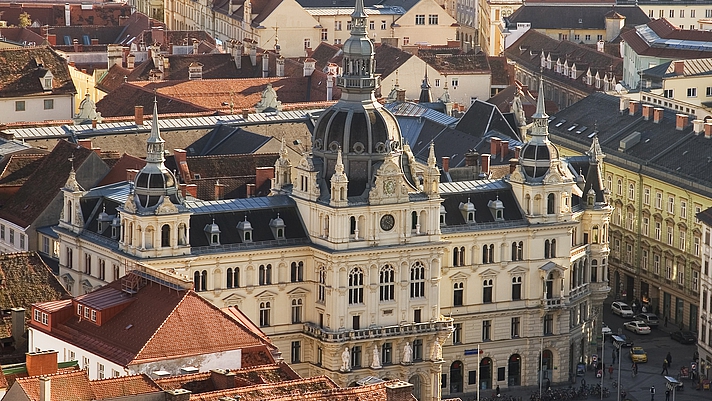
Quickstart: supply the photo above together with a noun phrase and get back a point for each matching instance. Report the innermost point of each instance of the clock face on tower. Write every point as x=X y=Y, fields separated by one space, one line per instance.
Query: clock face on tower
x=387 y=222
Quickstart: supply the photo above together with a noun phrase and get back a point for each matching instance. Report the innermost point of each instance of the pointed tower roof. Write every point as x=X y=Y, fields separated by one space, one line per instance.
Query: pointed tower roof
x=358 y=11
x=425 y=95
x=540 y=106
x=594 y=177
x=155 y=144
x=539 y=153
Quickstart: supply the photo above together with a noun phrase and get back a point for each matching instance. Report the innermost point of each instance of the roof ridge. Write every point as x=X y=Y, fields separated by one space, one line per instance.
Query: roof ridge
x=232 y=154
x=57 y=373
x=178 y=304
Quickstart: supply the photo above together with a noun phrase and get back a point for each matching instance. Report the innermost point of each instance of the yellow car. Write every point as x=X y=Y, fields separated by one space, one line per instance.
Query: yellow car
x=638 y=354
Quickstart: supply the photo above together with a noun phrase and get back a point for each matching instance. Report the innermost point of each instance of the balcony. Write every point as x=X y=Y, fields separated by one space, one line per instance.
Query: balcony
x=410 y=329
x=553 y=303
x=363 y=83
x=579 y=292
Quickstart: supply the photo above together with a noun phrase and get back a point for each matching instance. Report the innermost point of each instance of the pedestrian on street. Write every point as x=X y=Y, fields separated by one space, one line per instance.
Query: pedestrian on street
x=497 y=391
x=610 y=372
x=667 y=395
x=634 y=369
x=665 y=368
x=548 y=384
x=652 y=393
x=669 y=358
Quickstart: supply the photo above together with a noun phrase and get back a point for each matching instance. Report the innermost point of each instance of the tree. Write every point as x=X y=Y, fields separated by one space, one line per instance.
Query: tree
x=25 y=20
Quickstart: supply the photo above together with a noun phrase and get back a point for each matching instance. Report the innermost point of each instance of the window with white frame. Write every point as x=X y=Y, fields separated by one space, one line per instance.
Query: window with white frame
x=629 y=253
x=671 y=204
x=668 y=268
x=321 y=291
x=683 y=209
x=646 y=195
x=458 y=294
x=609 y=183
x=658 y=230
x=619 y=187
x=696 y=245
x=646 y=226
x=417 y=280
x=631 y=191
x=681 y=276
x=356 y=286
x=695 y=281
x=644 y=259
x=265 y=308
x=670 y=235
x=656 y=264
x=487 y=291
x=387 y=283
x=658 y=200
x=297 y=310
x=630 y=222
x=691 y=92
x=682 y=242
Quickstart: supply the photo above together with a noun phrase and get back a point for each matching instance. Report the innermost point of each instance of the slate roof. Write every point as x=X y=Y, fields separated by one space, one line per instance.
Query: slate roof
x=17 y=167
x=479 y=193
x=566 y=16
x=678 y=157
x=44 y=184
x=159 y=324
x=659 y=38
x=227 y=140
x=114 y=104
x=503 y=100
x=324 y=53
x=21 y=70
x=502 y=74
x=705 y=216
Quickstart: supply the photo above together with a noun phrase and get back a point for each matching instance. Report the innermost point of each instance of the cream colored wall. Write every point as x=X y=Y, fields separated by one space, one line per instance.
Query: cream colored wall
x=680 y=86
x=426 y=34
x=692 y=13
x=86 y=83
x=295 y=25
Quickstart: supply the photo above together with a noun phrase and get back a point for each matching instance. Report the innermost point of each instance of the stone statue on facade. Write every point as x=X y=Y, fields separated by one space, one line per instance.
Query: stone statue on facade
x=407 y=353
x=437 y=351
x=345 y=360
x=376 y=363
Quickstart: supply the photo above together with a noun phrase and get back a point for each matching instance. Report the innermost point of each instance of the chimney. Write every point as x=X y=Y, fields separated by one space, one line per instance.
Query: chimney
x=708 y=130
x=192 y=190
x=399 y=391
x=45 y=389
x=262 y=175
x=513 y=165
x=85 y=143
x=517 y=151
x=250 y=190
x=195 y=46
x=680 y=121
x=494 y=145
x=181 y=187
x=309 y=66
x=131 y=61
x=179 y=394
x=330 y=78
x=222 y=379
x=698 y=126
x=245 y=114
x=138 y=115
x=485 y=164
x=658 y=114
x=601 y=46
x=75 y=43
x=17 y=316
x=633 y=107
x=52 y=39
x=400 y=95
x=647 y=112
x=446 y=164
x=679 y=67
x=93 y=123
x=253 y=54
x=624 y=104
x=67 y=15
x=41 y=363
x=504 y=146
x=94 y=41
x=131 y=174
x=471 y=158
x=219 y=190
x=265 y=65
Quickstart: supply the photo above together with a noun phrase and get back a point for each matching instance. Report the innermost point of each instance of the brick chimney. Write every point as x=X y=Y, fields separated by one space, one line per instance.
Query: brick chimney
x=624 y=101
x=658 y=115
x=494 y=145
x=17 y=317
x=138 y=115
x=219 y=190
x=179 y=394
x=245 y=114
x=633 y=107
x=485 y=165
x=131 y=174
x=262 y=175
x=222 y=379
x=680 y=121
x=309 y=66
x=708 y=130
x=517 y=151
x=400 y=95
x=446 y=164
x=85 y=143
x=45 y=389
x=647 y=112
x=698 y=126
x=471 y=158
x=399 y=391
x=250 y=190
x=679 y=67
x=504 y=146
x=192 y=190
x=181 y=188
x=41 y=363
x=513 y=165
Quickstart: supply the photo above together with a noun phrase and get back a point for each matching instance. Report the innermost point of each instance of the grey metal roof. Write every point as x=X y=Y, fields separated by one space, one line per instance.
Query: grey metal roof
x=168 y=124
x=407 y=109
x=7 y=147
x=654 y=40
x=346 y=11
x=470 y=186
x=229 y=205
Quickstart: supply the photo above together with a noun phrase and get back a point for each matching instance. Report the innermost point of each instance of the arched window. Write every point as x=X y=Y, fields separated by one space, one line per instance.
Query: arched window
x=321 y=292
x=200 y=280
x=594 y=234
x=516 y=288
x=594 y=270
x=355 y=286
x=619 y=187
x=352 y=222
x=458 y=294
x=487 y=291
x=265 y=274
x=296 y=311
x=552 y=252
x=233 y=277
x=458 y=256
x=264 y=314
x=485 y=254
x=417 y=280
x=550 y=204
x=387 y=283
x=165 y=235
x=414 y=220
x=520 y=250
x=297 y=272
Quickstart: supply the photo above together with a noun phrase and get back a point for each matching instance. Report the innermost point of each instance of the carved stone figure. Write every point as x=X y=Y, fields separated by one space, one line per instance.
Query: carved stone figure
x=437 y=351
x=407 y=353
x=376 y=363
x=345 y=360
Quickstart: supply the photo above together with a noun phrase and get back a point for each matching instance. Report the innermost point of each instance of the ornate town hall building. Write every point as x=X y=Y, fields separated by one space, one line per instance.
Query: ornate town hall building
x=363 y=263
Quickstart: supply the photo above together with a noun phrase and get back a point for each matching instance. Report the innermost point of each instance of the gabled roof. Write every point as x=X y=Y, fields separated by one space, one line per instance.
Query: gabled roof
x=324 y=54
x=659 y=38
x=45 y=182
x=21 y=71
x=567 y=16
x=161 y=324
x=458 y=63
x=17 y=167
x=389 y=59
x=114 y=104
x=76 y=386
x=226 y=140
x=118 y=170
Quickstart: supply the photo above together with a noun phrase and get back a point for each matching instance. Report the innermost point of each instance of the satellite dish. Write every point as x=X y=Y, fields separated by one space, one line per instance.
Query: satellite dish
x=619 y=88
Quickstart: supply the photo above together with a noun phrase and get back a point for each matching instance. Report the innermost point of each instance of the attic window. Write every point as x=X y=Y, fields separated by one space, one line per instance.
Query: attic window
x=581 y=129
x=573 y=127
x=560 y=123
x=46 y=81
x=196 y=176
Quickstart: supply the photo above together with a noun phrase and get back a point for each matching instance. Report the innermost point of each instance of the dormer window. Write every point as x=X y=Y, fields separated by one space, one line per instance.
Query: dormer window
x=497 y=209
x=103 y=221
x=115 y=225
x=277 y=226
x=213 y=233
x=468 y=211
x=245 y=230
x=46 y=81
x=591 y=197
x=443 y=212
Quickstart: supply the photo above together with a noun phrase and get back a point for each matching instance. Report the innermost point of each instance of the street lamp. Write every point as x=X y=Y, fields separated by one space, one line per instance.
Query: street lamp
x=603 y=353
x=617 y=342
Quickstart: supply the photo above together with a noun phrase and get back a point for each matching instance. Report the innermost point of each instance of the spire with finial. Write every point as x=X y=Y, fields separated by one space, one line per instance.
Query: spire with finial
x=425 y=95
x=541 y=119
x=595 y=153
x=155 y=144
x=339 y=168
x=431 y=156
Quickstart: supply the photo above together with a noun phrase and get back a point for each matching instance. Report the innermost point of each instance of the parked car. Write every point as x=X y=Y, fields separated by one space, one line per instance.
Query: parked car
x=637 y=326
x=650 y=319
x=623 y=339
x=622 y=309
x=638 y=354
x=684 y=337
x=606 y=330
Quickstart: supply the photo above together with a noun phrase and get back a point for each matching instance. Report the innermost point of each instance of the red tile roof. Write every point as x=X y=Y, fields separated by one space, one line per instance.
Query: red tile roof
x=209 y=381
x=104 y=14
x=118 y=171
x=16 y=168
x=44 y=184
x=116 y=387
x=161 y=324
x=21 y=70
x=666 y=30
x=76 y=386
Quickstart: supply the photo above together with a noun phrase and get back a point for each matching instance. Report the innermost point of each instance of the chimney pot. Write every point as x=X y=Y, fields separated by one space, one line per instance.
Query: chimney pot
x=658 y=114
x=45 y=389
x=250 y=190
x=504 y=146
x=446 y=164
x=219 y=190
x=484 y=172
x=698 y=126
x=517 y=151
x=85 y=143
x=647 y=112
x=245 y=114
x=679 y=67
x=192 y=189
x=131 y=174
x=138 y=115
x=494 y=145
x=633 y=107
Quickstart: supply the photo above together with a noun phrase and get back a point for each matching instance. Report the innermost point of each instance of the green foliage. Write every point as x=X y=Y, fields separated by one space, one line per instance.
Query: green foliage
x=25 y=20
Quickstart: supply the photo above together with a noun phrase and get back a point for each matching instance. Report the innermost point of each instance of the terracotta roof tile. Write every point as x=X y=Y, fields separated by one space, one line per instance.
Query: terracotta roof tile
x=51 y=175
x=205 y=381
x=118 y=171
x=104 y=14
x=21 y=70
x=65 y=386
x=263 y=392
x=459 y=63
x=126 y=386
x=16 y=168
